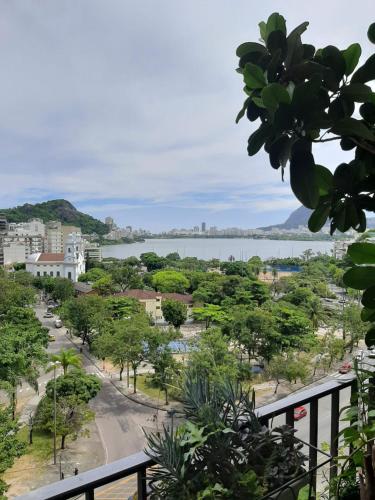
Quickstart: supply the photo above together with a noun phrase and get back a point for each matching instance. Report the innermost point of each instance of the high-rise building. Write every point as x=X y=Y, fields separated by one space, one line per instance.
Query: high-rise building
x=3 y=230
x=54 y=237
x=93 y=252
x=108 y=221
x=67 y=230
x=203 y=226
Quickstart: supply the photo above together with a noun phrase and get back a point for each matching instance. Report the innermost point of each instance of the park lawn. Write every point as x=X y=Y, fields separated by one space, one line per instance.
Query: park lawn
x=145 y=386
x=42 y=447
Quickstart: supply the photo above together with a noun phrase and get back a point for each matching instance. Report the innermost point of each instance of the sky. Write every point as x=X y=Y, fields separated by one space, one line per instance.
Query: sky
x=126 y=108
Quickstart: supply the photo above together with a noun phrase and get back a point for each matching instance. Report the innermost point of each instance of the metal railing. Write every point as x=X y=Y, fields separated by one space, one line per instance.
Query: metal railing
x=86 y=482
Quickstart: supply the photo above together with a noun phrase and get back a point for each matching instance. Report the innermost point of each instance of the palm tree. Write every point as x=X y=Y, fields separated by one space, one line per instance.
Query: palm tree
x=67 y=358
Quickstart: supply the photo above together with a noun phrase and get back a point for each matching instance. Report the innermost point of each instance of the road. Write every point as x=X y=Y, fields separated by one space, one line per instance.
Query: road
x=119 y=420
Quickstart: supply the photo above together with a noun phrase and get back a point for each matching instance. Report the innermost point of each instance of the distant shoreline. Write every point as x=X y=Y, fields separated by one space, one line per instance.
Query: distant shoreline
x=296 y=237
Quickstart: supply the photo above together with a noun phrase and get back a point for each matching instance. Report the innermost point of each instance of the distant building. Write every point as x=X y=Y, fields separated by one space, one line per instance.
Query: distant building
x=54 y=237
x=68 y=230
x=152 y=301
x=203 y=227
x=3 y=230
x=340 y=248
x=13 y=252
x=93 y=252
x=108 y=221
x=70 y=264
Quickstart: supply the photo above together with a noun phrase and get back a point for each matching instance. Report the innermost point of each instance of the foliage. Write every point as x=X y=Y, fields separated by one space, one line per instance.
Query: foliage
x=104 y=286
x=72 y=414
x=222 y=451
x=170 y=281
x=87 y=315
x=153 y=261
x=67 y=358
x=126 y=277
x=93 y=274
x=122 y=307
x=174 y=312
x=74 y=383
x=14 y=294
x=10 y=445
x=304 y=96
x=209 y=313
x=63 y=289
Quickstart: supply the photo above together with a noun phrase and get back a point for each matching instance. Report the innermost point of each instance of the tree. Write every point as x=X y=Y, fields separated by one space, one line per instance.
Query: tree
x=23 y=277
x=94 y=274
x=22 y=351
x=152 y=261
x=74 y=383
x=288 y=367
x=353 y=325
x=87 y=315
x=104 y=286
x=122 y=307
x=72 y=414
x=303 y=96
x=14 y=294
x=10 y=445
x=209 y=313
x=63 y=289
x=238 y=268
x=67 y=358
x=174 y=312
x=211 y=358
x=170 y=281
x=125 y=342
x=126 y=277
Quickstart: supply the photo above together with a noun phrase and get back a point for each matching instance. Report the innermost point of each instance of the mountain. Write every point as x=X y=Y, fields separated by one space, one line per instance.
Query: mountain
x=300 y=217
x=60 y=210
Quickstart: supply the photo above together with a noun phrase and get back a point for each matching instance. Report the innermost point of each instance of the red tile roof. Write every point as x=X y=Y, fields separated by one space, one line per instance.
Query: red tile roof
x=150 y=294
x=51 y=257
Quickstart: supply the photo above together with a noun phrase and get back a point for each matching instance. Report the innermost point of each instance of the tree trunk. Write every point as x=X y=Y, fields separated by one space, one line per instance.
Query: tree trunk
x=277 y=385
x=135 y=380
x=63 y=442
x=13 y=402
x=127 y=374
x=121 y=370
x=166 y=395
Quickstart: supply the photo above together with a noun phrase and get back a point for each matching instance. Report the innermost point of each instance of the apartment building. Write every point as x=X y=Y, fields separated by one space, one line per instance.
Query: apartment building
x=93 y=252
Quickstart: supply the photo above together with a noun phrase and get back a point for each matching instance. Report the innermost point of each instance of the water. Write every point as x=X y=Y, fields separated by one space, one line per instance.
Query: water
x=220 y=248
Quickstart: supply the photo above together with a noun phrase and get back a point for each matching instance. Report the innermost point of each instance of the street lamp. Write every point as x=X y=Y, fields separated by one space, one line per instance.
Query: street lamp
x=54 y=364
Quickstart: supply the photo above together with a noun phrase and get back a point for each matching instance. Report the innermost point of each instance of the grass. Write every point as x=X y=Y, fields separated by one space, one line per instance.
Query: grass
x=145 y=385
x=42 y=447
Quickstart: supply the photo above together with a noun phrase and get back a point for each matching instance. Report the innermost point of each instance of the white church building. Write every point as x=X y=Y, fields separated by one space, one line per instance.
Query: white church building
x=70 y=264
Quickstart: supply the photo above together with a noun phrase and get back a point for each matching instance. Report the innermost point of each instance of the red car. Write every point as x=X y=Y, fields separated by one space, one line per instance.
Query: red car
x=345 y=367
x=299 y=412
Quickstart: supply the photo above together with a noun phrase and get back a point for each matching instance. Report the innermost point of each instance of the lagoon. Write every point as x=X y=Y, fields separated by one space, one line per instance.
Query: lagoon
x=220 y=248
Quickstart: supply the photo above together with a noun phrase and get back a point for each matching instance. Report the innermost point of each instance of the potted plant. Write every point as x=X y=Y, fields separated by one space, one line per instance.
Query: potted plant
x=222 y=450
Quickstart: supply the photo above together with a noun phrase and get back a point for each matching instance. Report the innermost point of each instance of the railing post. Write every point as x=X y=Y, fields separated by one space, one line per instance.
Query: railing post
x=313 y=453
x=141 y=484
x=289 y=417
x=335 y=412
x=89 y=495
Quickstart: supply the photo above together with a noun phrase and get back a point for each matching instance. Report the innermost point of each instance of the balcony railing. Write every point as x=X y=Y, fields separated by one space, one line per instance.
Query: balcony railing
x=87 y=482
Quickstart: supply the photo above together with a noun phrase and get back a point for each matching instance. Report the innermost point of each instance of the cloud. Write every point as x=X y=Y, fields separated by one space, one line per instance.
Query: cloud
x=129 y=106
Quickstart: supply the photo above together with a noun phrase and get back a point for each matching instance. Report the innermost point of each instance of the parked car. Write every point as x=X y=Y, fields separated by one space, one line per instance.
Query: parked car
x=47 y=314
x=299 y=412
x=58 y=323
x=345 y=367
x=360 y=355
x=51 y=338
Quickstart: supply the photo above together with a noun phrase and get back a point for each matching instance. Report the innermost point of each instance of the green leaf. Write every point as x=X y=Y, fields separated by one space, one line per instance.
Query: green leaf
x=360 y=278
x=298 y=30
x=368 y=297
x=304 y=93
x=318 y=218
x=367 y=314
x=371 y=33
x=308 y=51
x=283 y=118
x=367 y=111
x=254 y=76
x=258 y=101
x=280 y=151
x=365 y=73
x=302 y=174
x=358 y=92
x=351 y=56
x=370 y=337
x=362 y=253
x=340 y=108
x=243 y=110
x=263 y=30
x=295 y=47
x=333 y=58
x=274 y=94
x=253 y=111
x=258 y=138
x=324 y=179
x=275 y=22
x=277 y=41
x=247 y=47
x=352 y=127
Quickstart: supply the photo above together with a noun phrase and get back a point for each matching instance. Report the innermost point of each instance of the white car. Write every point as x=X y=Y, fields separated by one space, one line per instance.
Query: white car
x=58 y=323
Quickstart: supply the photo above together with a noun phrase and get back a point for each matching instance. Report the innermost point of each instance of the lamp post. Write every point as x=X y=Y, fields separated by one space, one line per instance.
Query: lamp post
x=54 y=364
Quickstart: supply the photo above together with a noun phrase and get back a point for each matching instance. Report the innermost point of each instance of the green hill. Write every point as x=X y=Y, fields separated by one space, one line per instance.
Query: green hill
x=60 y=210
